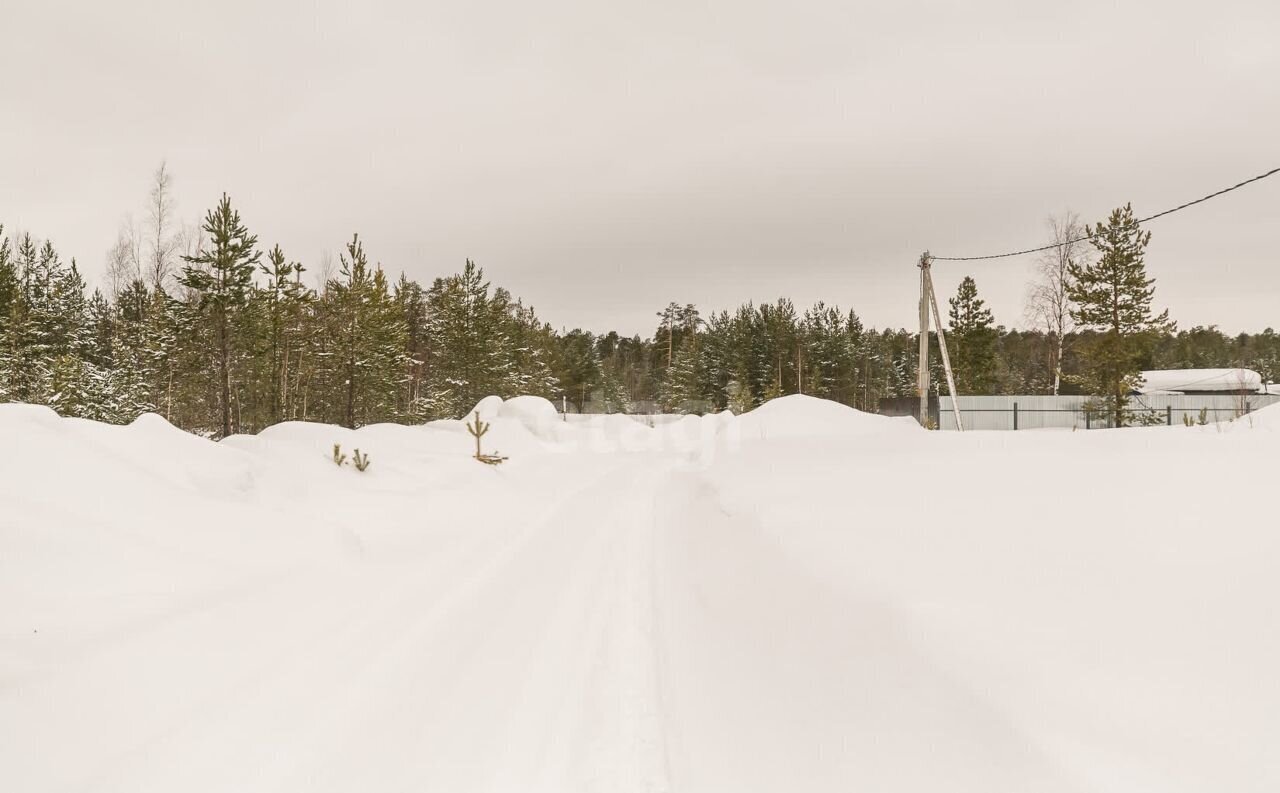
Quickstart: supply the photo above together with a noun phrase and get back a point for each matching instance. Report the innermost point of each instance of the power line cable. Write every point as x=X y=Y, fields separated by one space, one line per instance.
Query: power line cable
x=1090 y=236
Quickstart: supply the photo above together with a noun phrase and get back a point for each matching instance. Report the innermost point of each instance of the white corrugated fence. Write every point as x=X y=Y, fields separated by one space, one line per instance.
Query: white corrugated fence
x=1033 y=411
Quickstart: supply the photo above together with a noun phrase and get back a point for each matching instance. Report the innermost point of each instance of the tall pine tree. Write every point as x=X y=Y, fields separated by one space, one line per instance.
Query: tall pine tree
x=973 y=338
x=472 y=348
x=1112 y=297
x=366 y=358
x=286 y=302
x=220 y=278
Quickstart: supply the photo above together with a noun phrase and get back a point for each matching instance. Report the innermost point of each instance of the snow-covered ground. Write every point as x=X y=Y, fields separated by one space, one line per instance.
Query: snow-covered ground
x=802 y=598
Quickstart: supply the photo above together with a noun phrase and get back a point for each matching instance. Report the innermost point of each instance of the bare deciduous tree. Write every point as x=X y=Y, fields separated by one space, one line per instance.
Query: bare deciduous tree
x=164 y=244
x=124 y=260
x=326 y=270
x=1048 y=306
x=149 y=252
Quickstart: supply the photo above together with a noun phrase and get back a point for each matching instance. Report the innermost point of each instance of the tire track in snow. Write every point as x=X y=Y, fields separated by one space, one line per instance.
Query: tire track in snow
x=323 y=672
x=589 y=704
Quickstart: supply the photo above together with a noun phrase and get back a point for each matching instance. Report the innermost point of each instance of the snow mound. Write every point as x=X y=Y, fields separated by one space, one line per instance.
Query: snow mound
x=19 y=413
x=537 y=415
x=800 y=416
x=1267 y=418
x=308 y=433
x=525 y=418
x=487 y=408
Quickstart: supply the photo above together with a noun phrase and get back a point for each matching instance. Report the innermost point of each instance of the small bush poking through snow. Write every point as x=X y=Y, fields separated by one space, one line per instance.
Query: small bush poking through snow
x=360 y=461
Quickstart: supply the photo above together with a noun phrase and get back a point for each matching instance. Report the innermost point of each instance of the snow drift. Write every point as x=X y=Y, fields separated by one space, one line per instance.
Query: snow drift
x=800 y=416
x=800 y=598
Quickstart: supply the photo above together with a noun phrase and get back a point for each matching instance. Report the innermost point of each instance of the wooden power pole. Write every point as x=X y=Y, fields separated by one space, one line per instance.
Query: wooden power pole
x=922 y=371
x=928 y=303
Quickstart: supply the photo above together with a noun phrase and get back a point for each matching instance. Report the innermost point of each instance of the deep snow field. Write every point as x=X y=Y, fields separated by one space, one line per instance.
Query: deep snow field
x=804 y=598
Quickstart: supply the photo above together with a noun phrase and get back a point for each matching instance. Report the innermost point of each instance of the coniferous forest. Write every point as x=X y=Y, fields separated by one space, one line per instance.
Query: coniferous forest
x=220 y=333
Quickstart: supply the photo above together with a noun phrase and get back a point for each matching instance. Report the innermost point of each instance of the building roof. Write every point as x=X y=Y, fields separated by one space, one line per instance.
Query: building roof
x=1201 y=380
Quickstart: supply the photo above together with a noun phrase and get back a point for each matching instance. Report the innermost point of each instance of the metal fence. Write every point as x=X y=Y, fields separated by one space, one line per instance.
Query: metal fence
x=1075 y=412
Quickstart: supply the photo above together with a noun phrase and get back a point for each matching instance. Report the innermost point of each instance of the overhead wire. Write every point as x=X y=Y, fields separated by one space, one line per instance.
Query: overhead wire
x=1091 y=235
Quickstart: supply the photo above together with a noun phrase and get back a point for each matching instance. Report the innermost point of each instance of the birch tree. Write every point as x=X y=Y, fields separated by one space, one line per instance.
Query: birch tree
x=163 y=244
x=1048 y=301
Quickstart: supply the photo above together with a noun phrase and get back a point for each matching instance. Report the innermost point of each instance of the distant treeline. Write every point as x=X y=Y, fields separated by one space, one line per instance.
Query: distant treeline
x=219 y=336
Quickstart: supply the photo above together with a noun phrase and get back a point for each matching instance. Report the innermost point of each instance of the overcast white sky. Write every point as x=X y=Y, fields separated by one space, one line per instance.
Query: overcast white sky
x=601 y=159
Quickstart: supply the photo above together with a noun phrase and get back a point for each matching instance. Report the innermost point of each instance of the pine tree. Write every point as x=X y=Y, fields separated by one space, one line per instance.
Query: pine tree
x=677 y=322
x=1264 y=355
x=160 y=324
x=1112 y=297
x=55 y=299
x=533 y=349
x=412 y=302
x=220 y=278
x=620 y=359
x=611 y=393
x=900 y=354
x=285 y=302
x=134 y=353
x=779 y=348
x=747 y=357
x=27 y=371
x=10 y=295
x=366 y=358
x=827 y=351
x=580 y=371
x=973 y=340
x=48 y=338
x=857 y=379
x=722 y=358
x=685 y=385
x=472 y=349
x=10 y=283
x=738 y=397
x=81 y=389
x=100 y=315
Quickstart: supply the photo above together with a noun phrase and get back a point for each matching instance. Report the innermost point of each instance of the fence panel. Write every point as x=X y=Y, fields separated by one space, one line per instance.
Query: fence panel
x=1034 y=411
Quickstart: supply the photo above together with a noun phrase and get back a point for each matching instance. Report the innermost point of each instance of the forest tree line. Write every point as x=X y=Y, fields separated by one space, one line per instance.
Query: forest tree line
x=219 y=334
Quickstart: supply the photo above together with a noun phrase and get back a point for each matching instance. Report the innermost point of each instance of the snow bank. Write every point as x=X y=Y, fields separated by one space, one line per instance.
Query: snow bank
x=1267 y=418
x=800 y=416
x=108 y=458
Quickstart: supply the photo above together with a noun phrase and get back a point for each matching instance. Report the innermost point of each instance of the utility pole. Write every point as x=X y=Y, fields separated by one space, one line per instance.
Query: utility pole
x=922 y=371
x=942 y=346
x=929 y=301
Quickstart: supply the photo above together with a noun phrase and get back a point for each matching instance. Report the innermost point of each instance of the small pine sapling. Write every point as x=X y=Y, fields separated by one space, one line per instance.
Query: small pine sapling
x=360 y=461
x=478 y=428
x=338 y=457
x=1150 y=418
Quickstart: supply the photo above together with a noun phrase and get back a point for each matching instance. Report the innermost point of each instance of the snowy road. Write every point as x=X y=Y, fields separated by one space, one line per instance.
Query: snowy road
x=489 y=666
x=626 y=621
